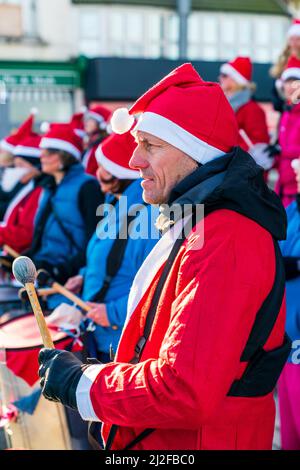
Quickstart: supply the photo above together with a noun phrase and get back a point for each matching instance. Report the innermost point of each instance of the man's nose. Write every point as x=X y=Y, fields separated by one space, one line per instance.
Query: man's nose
x=137 y=160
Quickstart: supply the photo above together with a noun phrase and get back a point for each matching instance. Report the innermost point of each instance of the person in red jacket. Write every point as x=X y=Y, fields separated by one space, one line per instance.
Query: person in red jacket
x=16 y=229
x=204 y=339
x=96 y=120
x=235 y=80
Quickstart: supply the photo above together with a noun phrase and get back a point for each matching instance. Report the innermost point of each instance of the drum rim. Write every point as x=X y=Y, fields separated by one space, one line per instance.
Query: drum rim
x=27 y=348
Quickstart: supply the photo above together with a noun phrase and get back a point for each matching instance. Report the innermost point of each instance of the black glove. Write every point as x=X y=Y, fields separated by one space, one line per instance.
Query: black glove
x=60 y=372
x=273 y=150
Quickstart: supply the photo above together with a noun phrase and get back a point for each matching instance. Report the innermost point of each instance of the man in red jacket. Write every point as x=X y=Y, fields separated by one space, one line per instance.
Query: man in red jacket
x=204 y=340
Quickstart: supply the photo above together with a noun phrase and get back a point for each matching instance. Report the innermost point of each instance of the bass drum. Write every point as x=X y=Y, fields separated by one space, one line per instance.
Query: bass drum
x=46 y=428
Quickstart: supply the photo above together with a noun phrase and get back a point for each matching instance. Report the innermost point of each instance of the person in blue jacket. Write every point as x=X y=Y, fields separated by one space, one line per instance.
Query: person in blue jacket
x=124 y=212
x=66 y=216
x=289 y=382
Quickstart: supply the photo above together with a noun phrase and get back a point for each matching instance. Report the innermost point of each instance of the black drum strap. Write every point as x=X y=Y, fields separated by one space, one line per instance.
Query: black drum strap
x=264 y=367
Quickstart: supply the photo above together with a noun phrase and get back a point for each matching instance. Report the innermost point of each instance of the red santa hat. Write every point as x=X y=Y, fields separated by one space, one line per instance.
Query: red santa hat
x=77 y=123
x=187 y=112
x=10 y=142
x=114 y=155
x=29 y=146
x=62 y=137
x=294 y=29
x=100 y=113
x=292 y=69
x=239 y=69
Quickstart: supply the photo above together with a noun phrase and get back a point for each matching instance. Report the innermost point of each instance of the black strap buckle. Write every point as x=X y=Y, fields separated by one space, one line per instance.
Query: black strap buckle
x=139 y=346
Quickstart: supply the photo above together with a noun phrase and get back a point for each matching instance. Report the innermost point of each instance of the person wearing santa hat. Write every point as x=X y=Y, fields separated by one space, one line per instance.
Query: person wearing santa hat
x=17 y=227
x=289 y=382
x=66 y=218
x=95 y=120
x=289 y=132
x=204 y=341
x=13 y=178
x=291 y=48
x=235 y=80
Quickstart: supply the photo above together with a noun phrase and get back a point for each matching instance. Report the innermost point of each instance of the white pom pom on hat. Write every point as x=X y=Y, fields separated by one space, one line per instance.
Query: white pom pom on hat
x=121 y=121
x=34 y=111
x=44 y=127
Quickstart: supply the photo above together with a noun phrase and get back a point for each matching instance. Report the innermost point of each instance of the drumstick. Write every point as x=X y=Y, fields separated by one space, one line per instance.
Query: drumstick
x=246 y=138
x=40 y=292
x=46 y=279
x=24 y=271
x=11 y=251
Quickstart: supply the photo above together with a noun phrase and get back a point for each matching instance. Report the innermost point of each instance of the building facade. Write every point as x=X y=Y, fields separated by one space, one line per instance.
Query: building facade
x=53 y=52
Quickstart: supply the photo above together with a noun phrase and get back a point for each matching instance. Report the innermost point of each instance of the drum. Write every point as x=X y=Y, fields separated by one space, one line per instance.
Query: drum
x=46 y=428
x=10 y=304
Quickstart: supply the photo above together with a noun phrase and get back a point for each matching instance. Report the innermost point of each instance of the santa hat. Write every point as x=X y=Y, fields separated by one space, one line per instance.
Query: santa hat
x=187 y=112
x=292 y=69
x=294 y=29
x=62 y=137
x=100 y=113
x=239 y=69
x=114 y=155
x=25 y=129
x=77 y=123
x=29 y=146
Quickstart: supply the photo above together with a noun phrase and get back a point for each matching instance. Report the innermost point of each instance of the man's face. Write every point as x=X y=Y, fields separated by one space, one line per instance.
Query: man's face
x=161 y=166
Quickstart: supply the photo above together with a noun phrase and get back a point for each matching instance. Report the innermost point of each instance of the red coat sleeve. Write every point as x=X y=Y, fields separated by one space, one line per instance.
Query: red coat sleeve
x=18 y=231
x=219 y=291
x=252 y=119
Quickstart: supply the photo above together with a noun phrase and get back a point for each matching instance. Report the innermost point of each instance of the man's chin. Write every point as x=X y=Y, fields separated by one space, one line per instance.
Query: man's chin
x=152 y=198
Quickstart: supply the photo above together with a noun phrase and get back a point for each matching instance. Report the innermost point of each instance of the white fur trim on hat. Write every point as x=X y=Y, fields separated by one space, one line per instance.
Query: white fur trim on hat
x=121 y=121
x=227 y=69
x=116 y=170
x=294 y=30
x=175 y=135
x=4 y=145
x=59 y=144
x=292 y=72
x=27 y=151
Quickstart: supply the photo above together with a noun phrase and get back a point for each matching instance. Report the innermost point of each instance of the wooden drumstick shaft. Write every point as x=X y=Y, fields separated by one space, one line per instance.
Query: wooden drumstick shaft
x=11 y=251
x=69 y=295
x=34 y=301
x=43 y=292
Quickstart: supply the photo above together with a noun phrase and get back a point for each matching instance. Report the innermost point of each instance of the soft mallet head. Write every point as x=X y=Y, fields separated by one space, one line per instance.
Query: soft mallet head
x=24 y=270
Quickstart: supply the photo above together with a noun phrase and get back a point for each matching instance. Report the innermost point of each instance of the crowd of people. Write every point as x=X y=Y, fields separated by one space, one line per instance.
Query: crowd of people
x=208 y=302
